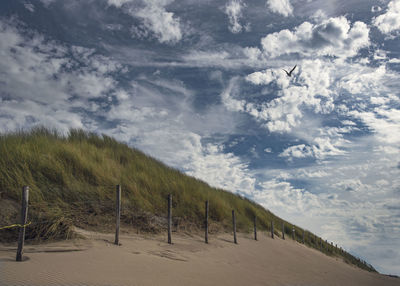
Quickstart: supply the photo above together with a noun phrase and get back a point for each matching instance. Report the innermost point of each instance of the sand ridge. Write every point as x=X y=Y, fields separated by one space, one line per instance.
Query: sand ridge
x=149 y=260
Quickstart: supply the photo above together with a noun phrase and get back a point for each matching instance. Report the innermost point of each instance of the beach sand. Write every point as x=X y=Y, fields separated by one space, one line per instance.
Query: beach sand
x=149 y=260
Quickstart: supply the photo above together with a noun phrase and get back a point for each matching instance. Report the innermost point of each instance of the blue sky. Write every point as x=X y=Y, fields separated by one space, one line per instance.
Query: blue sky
x=199 y=85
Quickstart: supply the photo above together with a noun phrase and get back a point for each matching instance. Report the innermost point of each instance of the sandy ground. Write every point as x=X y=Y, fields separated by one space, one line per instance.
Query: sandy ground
x=150 y=260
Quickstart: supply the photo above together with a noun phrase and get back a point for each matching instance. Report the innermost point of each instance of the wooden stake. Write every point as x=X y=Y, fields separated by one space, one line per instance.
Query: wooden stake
x=303 y=236
x=272 y=229
x=283 y=230
x=234 y=226
x=206 y=223
x=117 y=213
x=255 y=227
x=169 y=218
x=293 y=233
x=24 y=218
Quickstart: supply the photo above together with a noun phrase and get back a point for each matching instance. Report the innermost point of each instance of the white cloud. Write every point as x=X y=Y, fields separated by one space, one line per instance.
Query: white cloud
x=145 y=118
x=275 y=194
x=309 y=88
x=261 y=77
x=321 y=148
x=282 y=7
x=384 y=121
x=390 y=20
x=234 y=11
x=164 y=25
x=118 y=3
x=42 y=82
x=332 y=37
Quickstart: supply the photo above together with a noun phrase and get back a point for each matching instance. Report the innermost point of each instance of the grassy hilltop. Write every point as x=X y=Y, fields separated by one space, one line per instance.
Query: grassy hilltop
x=72 y=182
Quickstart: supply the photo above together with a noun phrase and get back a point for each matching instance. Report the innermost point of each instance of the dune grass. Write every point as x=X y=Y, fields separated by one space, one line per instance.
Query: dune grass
x=72 y=181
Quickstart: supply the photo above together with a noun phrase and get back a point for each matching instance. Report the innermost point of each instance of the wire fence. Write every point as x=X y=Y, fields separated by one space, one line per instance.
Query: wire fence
x=52 y=224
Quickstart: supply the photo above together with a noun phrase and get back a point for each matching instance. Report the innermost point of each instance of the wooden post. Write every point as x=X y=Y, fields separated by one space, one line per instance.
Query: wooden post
x=117 y=212
x=234 y=226
x=293 y=233
x=206 y=223
x=303 y=236
x=272 y=229
x=255 y=227
x=24 y=218
x=169 y=218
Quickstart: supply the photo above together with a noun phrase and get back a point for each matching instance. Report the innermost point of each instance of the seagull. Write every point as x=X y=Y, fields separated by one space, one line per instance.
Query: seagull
x=290 y=73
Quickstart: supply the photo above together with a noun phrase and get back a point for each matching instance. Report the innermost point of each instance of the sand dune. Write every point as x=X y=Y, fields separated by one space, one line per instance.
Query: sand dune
x=150 y=260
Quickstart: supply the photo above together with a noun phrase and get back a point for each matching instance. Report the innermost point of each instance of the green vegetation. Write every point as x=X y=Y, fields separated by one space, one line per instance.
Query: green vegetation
x=72 y=181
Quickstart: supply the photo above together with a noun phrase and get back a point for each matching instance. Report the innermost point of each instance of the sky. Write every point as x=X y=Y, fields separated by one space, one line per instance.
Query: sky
x=199 y=85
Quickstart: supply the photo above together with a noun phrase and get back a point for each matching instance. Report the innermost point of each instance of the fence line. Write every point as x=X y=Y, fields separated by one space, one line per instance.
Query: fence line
x=329 y=247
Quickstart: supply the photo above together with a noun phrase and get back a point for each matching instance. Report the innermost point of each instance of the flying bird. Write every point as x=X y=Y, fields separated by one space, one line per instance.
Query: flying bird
x=290 y=73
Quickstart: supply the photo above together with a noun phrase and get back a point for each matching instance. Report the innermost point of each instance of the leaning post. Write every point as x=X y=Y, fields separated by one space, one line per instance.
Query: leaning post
x=234 y=226
x=255 y=227
x=24 y=218
x=117 y=213
x=169 y=218
x=206 y=223
x=272 y=229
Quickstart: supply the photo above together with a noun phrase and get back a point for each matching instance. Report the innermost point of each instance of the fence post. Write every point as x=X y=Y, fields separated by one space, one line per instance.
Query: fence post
x=234 y=226
x=117 y=212
x=255 y=227
x=283 y=230
x=24 y=218
x=303 y=235
x=206 y=223
x=169 y=218
x=272 y=229
x=293 y=233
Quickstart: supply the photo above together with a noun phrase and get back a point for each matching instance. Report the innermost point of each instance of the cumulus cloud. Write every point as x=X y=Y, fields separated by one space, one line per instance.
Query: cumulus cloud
x=282 y=7
x=261 y=77
x=164 y=25
x=234 y=11
x=310 y=88
x=331 y=37
x=390 y=20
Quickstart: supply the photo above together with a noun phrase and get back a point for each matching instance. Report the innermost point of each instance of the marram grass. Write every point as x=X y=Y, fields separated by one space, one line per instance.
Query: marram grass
x=72 y=181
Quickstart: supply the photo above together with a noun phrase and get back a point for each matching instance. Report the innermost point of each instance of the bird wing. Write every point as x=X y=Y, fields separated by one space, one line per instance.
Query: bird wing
x=286 y=71
x=293 y=69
